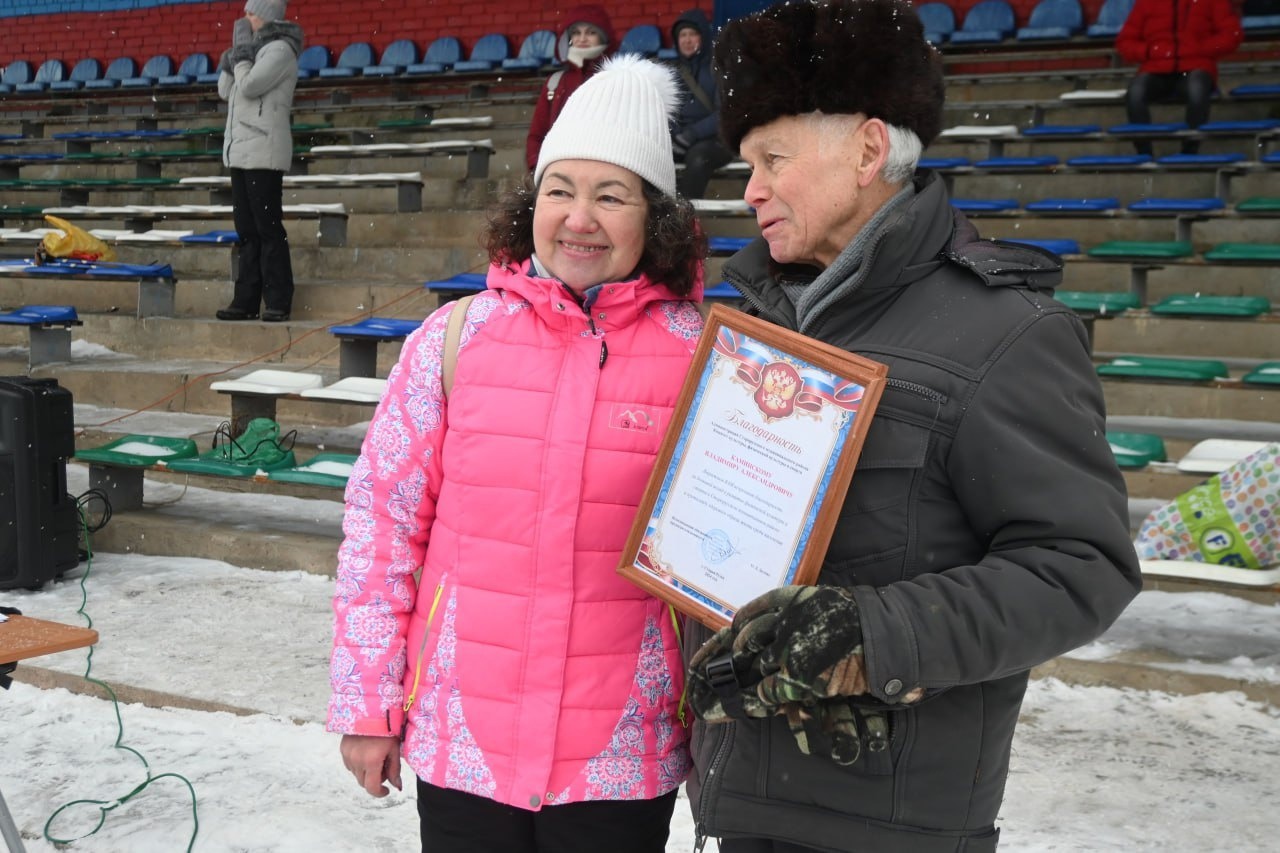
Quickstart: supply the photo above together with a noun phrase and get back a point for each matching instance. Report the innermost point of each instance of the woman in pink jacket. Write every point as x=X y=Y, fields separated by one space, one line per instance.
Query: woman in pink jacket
x=534 y=693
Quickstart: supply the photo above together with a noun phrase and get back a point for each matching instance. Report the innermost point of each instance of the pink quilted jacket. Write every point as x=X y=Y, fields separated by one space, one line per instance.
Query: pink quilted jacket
x=532 y=674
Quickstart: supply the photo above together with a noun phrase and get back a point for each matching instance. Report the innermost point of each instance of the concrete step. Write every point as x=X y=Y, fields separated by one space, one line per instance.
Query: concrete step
x=1173 y=400
x=262 y=529
x=1141 y=332
x=320 y=301
x=183 y=386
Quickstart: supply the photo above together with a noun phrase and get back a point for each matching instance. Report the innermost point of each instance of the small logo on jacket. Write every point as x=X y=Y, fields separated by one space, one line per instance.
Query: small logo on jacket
x=631 y=417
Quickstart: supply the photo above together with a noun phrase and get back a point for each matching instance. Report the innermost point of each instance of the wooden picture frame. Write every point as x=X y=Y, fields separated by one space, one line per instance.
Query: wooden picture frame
x=755 y=466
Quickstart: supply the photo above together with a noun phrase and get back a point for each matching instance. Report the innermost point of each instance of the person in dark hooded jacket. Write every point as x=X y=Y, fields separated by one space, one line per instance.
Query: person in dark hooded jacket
x=985 y=530
x=257 y=77
x=695 y=131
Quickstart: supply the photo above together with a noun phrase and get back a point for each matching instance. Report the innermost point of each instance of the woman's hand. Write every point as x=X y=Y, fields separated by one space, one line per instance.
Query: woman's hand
x=373 y=760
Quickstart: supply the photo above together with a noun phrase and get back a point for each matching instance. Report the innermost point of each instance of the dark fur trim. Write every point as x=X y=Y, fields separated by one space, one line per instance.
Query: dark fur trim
x=839 y=56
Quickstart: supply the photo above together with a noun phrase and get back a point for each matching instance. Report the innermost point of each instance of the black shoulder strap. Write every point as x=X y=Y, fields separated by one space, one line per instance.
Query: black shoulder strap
x=691 y=82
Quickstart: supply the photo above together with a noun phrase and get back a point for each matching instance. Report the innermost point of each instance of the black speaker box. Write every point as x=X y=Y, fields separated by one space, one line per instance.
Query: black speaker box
x=39 y=536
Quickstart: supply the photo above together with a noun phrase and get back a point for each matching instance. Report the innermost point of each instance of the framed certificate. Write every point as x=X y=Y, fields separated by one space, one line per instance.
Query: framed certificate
x=750 y=477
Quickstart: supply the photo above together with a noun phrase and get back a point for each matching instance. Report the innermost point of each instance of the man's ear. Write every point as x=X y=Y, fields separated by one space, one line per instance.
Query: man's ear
x=874 y=151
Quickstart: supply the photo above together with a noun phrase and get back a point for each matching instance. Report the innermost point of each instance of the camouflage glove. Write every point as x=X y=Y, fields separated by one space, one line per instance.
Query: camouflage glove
x=713 y=695
x=757 y=645
x=830 y=727
x=810 y=641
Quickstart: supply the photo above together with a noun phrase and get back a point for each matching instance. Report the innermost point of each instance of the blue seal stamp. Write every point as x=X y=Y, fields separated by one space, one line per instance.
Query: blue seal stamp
x=716 y=547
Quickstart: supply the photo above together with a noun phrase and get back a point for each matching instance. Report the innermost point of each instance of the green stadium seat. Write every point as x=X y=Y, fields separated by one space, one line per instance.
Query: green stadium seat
x=1166 y=369
x=1200 y=305
x=1259 y=204
x=323 y=469
x=1264 y=374
x=1098 y=302
x=1144 y=249
x=139 y=451
x=1244 y=253
x=1136 y=449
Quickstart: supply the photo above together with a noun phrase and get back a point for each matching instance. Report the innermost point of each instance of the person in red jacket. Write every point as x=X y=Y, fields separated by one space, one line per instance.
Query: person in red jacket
x=1176 y=45
x=583 y=45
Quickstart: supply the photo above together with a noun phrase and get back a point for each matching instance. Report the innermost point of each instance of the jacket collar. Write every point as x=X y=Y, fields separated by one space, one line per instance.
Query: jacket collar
x=617 y=304
x=925 y=235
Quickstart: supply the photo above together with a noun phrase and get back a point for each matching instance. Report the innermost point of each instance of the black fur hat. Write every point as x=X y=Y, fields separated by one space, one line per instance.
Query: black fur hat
x=836 y=56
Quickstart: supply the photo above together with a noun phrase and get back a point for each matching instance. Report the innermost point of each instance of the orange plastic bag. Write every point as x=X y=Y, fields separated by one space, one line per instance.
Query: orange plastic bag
x=73 y=242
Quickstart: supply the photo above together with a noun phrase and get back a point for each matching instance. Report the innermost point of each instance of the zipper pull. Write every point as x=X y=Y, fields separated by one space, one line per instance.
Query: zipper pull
x=699 y=841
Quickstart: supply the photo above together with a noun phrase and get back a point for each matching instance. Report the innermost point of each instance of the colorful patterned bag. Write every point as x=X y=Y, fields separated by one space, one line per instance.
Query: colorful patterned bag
x=1232 y=519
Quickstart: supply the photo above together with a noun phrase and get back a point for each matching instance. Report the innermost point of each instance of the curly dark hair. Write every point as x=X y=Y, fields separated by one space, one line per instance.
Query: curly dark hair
x=674 y=244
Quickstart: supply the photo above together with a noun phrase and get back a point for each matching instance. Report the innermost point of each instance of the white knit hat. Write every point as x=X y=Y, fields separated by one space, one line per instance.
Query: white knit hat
x=619 y=116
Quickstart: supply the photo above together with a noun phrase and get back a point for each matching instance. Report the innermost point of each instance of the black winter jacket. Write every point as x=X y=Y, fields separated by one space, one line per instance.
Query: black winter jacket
x=695 y=120
x=985 y=532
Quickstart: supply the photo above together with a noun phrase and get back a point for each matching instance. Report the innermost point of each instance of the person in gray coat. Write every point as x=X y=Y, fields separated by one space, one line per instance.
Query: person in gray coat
x=985 y=530
x=257 y=78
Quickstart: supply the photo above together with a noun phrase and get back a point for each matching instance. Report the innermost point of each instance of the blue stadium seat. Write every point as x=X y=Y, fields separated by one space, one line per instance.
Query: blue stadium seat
x=463 y=282
x=49 y=72
x=943 y=162
x=378 y=328
x=1053 y=19
x=440 y=57
x=1042 y=162
x=1152 y=129
x=486 y=55
x=119 y=69
x=1256 y=90
x=642 y=39
x=312 y=60
x=726 y=245
x=1074 y=205
x=1059 y=246
x=939 y=21
x=1177 y=205
x=989 y=22
x=1102 y=161
x=1062 y=130
x=1200 y=159
x=83 y=71
x=1259 y=23
x=398 y=56
x=15 y=74
x=984 y=205
x=154 y=68
x=1256 y=125
x=37 y=315
x=1110 y=19
x=537 y=49
x=354 y=58
x=194 y=67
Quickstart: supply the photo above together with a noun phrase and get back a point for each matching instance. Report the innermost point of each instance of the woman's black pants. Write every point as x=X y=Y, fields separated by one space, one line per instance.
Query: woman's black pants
x=457 y=822
x=266 y=273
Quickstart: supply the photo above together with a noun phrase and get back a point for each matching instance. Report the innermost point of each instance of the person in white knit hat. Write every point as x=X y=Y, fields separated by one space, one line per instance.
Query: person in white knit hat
x=535 y=694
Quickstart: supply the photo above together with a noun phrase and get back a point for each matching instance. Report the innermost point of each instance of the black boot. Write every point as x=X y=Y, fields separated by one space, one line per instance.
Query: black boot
x=273 y=316
x=234 y=313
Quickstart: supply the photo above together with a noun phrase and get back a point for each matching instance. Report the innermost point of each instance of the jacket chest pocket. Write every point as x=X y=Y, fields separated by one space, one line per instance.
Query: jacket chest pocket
x=873 y=532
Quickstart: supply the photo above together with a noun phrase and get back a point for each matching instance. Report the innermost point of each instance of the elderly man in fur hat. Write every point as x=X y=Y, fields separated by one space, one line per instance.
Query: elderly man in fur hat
x=986 y=528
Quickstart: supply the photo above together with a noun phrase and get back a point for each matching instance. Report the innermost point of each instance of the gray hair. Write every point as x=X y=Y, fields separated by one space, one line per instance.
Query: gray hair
x=904 y=146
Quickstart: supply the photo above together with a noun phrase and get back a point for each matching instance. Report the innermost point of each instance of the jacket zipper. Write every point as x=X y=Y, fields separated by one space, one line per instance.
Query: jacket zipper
x=704 y=807
x=422 y=650
x=917 y=389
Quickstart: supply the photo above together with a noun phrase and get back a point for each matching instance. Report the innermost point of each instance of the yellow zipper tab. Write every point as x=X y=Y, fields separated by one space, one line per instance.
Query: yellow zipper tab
x=417 y=668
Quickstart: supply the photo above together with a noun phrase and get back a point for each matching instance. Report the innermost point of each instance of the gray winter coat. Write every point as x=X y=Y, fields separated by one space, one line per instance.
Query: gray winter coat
x=259 y=96
x=985 y=532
